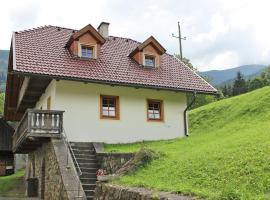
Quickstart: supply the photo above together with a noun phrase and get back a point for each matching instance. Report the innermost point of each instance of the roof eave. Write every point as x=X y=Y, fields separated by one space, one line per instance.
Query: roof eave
x=115 y=83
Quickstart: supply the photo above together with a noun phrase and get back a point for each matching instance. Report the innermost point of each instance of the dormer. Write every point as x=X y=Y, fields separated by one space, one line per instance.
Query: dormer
x=148 y=53
x=86 y=43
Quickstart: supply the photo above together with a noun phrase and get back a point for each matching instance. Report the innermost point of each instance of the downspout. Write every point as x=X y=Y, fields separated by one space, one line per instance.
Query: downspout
x=185 y=113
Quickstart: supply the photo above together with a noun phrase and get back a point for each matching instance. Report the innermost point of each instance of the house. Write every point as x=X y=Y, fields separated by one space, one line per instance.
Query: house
x=90 y=87
x=6 y=154
x=112 y=89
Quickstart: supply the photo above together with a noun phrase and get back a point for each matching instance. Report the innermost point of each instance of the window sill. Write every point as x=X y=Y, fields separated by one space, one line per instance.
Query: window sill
x=110 y=118
x=155 y=120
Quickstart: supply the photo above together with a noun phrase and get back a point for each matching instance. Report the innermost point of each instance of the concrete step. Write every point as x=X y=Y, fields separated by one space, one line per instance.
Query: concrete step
x=81 y=144
x=88 y=180
x=89 y=186
x=88 y=165
x=86 y=160
x=88 y=175
x=89 y=192
x=87 y=156
x=84 y=151
x=89 y=170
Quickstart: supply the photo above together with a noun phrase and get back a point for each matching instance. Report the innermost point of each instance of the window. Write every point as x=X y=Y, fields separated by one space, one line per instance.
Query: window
x=155 y=110
x=109 y=107
x=87 y=52
x=149 y=61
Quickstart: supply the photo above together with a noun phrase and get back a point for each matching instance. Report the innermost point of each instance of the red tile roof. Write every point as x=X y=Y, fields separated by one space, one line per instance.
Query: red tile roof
x=42 y=51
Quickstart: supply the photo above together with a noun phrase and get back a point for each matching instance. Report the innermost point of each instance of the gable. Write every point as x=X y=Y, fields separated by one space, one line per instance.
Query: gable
x=149 y=49
x=86 y=39
x=87 y=36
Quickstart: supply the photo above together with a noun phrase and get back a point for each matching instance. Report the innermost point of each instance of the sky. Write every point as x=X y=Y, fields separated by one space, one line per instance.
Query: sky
x=220 y=33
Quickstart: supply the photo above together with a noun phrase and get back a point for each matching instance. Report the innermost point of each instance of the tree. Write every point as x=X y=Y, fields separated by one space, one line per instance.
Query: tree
x=256 y=83
x=239 y=85
x=186 y=61
x=201 y=99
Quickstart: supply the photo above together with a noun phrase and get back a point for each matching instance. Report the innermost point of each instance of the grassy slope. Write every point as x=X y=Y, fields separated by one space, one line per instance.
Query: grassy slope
x=2 y=99
x=12 y=186
x=226 y=156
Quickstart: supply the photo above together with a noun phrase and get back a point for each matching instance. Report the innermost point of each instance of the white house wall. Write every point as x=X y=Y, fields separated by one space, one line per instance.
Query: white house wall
x=49 y=93
x=82 y=121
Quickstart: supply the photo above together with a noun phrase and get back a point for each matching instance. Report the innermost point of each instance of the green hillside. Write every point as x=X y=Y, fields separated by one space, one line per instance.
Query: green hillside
x=3 y=68
x=2 y=99
x=226 y=156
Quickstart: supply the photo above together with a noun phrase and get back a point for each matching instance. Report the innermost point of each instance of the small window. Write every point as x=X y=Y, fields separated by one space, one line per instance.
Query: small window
x=87 y=52
x=149 y=61
x=109 y=107
x=155 y=110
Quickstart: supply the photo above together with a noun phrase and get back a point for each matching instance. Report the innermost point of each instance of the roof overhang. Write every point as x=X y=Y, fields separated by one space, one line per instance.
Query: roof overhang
x=116 y=83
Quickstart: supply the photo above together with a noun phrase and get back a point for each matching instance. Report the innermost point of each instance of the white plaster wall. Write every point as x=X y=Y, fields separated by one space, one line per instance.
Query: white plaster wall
x=82 y=115
x=49 y=92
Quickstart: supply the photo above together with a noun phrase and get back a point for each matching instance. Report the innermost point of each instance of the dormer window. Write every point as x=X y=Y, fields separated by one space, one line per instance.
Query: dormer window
x=148 y=53
x=86 y=43
x=87 y=52
x=149 y=61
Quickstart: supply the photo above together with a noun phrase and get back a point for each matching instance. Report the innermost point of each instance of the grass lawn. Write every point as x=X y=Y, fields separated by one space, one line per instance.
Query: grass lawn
x=2 y=99
x=13 y=185
x=227 y=155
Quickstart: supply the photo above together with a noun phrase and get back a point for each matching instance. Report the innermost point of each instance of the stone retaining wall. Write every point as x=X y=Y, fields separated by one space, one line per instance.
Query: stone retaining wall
x=111 y=162
x=106 y=191
x=49 y=165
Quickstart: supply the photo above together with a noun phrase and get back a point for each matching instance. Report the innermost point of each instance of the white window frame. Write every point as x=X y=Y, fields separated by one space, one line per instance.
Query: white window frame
x=80 y=45
x=150 y=55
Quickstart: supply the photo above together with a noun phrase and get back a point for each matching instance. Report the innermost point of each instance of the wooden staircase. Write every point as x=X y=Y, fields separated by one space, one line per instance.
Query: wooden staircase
x=85 y=155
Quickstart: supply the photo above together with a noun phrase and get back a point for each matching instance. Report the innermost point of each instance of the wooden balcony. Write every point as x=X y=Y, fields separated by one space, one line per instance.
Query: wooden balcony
x=35 y=128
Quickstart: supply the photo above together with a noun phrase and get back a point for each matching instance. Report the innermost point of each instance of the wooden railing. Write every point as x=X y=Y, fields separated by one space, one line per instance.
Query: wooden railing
x=38 y=123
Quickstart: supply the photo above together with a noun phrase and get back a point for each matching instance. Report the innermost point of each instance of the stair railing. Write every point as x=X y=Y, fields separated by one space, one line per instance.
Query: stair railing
x=79 y=171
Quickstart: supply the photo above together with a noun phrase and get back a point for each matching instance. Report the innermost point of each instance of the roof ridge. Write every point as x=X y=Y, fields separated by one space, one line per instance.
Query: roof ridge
x=33 y=29
x=43 y=27
x=124 y=38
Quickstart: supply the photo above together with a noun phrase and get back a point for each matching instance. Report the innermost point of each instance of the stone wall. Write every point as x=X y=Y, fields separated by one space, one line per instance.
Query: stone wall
x=57 y=178
x=111 y=162
x=106 y=191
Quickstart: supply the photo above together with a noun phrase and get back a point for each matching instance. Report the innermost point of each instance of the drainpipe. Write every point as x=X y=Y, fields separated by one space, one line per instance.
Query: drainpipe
x=185 y=113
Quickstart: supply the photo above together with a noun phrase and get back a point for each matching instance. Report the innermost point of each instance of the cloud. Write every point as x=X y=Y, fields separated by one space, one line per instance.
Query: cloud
x=220 y=33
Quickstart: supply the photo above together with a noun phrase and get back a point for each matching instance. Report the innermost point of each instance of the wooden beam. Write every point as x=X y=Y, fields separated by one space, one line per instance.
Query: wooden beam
x=23 y=90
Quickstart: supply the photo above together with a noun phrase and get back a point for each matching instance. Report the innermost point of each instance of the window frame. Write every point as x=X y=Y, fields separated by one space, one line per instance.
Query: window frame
x=117 y=107
x=150 y=56
x=161 y=110
x=87 y=46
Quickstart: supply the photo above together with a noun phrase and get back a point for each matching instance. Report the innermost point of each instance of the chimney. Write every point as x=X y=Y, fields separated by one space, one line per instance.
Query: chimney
x=103 y=29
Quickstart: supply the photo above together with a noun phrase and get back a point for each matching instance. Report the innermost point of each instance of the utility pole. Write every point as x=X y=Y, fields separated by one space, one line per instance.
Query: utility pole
x=180 y=40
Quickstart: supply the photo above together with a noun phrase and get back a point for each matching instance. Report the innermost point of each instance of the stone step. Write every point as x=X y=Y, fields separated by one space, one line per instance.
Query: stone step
x=88 y=170
x=89 y=192
x=88 y=175
x=86 y=160
x=89 y=197
x=81 y=144
x=89 y=186
x=88 y=180
x=85 y=152
x=87 y=156
x=88 y=165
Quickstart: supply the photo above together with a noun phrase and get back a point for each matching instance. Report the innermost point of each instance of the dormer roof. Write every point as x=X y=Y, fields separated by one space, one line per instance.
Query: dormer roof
x=151 y=40
x=87 y=29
